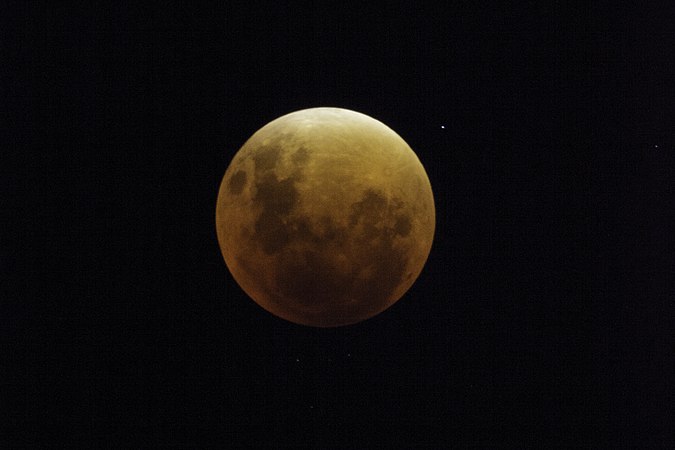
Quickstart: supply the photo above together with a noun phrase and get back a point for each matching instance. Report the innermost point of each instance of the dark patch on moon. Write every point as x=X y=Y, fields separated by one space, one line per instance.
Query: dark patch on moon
x=403 y=226
x=302 y=230
x=369 y=216
x=246 y=265
x=322 y=235
x=389 y=265
x=277 y=198
x=311 y=280
x=330 y=232
x=301 y=156
x=314 y=284
x=266 y=158
x=237 y=182
x=271 y=232
x=370 y=208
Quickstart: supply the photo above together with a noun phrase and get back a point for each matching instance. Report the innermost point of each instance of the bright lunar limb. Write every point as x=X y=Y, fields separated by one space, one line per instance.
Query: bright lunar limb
x=325 y=217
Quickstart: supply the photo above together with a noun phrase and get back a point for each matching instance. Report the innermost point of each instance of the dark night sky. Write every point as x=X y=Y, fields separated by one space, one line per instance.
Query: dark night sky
x=542 y=315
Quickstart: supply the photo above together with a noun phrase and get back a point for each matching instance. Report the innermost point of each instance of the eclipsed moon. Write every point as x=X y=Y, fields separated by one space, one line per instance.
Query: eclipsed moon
x=325 y=217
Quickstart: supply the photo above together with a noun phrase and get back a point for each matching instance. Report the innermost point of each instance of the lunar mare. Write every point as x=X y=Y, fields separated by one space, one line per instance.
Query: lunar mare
x=325 y=217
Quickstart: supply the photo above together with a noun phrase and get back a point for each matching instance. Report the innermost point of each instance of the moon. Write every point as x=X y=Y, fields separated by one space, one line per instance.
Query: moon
x=325 y=217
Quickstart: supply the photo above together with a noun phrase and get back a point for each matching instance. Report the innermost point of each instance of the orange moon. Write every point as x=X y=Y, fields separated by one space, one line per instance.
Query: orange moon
x=325 y=217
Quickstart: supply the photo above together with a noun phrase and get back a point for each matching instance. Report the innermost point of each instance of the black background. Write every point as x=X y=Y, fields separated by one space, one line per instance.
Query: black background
x=542 y=317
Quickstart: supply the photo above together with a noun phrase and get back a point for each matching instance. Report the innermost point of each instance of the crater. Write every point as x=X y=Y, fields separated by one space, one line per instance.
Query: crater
x=237 y=182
